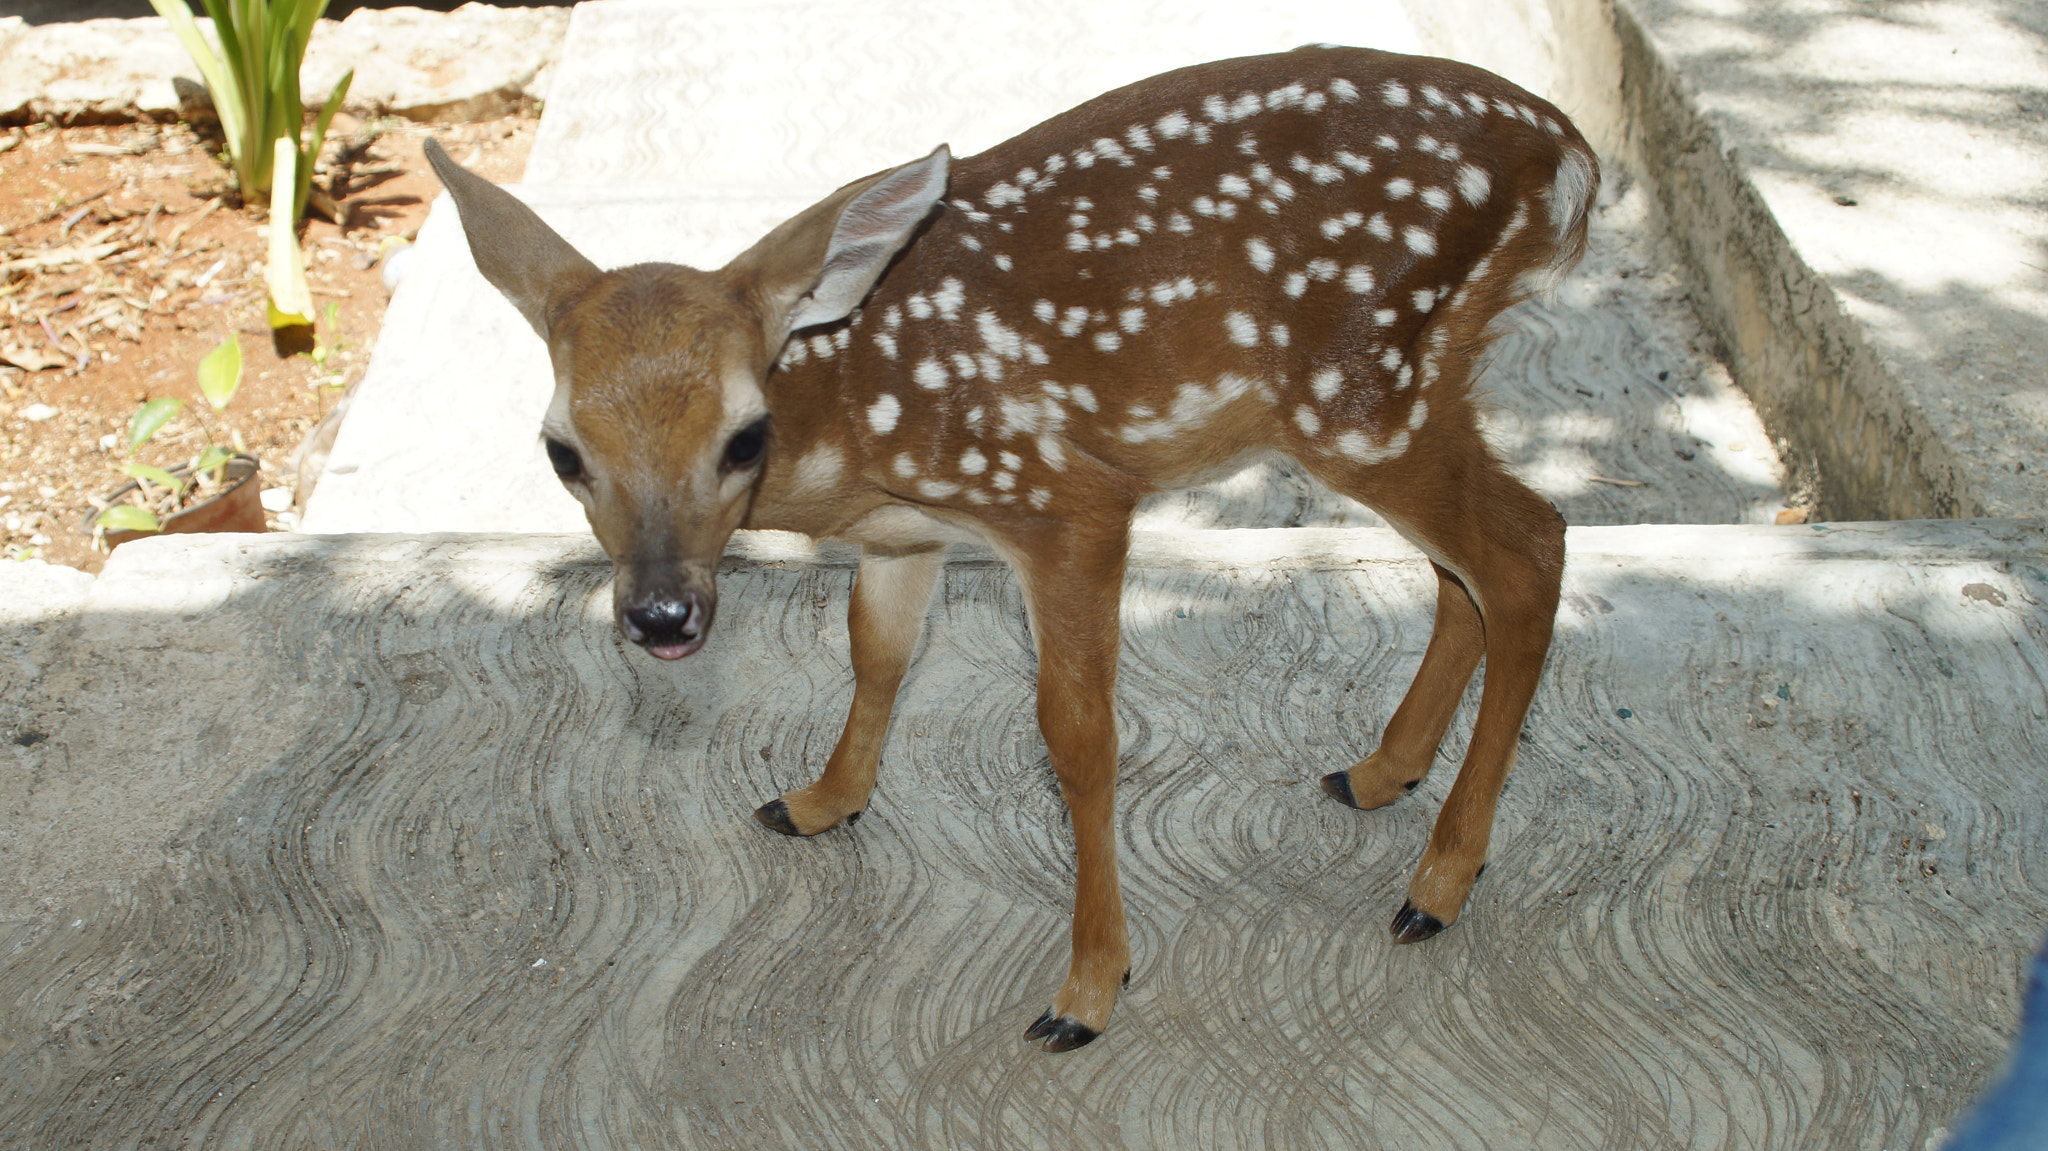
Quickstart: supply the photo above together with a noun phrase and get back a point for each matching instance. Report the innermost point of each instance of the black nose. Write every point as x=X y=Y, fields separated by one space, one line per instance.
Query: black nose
x=666 y=622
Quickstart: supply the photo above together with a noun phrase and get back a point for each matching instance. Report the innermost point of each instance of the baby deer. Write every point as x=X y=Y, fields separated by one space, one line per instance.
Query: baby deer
x=1296 y=253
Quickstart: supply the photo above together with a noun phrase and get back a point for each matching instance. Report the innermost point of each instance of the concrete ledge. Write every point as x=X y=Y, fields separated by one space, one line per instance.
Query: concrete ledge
x=474 y=63
x=1870 y=282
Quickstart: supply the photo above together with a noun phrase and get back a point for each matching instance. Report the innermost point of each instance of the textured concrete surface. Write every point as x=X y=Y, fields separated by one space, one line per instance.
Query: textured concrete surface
x=1863 y=193
x=476 y=62
x=407 y=849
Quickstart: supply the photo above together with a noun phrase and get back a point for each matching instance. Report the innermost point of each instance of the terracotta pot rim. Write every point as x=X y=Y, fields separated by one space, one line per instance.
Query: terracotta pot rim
x=241 y=468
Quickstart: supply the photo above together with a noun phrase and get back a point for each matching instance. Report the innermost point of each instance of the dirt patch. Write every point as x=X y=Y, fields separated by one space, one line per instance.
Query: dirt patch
x=125 y=257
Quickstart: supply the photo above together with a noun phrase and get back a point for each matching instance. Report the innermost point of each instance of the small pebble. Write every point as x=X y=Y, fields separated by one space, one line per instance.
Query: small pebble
x=276 y=499
x=108 y=441
x=37 y=413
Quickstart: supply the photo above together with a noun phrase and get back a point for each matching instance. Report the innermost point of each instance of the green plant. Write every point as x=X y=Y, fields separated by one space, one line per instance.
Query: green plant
x=220 y=374
x=254 y=78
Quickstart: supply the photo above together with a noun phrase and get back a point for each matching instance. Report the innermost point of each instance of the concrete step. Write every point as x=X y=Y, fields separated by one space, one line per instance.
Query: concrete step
x=389 y=840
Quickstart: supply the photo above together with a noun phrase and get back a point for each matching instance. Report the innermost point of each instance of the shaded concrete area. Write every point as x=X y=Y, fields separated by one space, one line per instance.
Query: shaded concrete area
x=1863 y=192
x=378 y=841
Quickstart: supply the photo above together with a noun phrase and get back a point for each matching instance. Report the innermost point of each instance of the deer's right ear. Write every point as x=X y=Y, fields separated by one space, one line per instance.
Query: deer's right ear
x=819 y=265
x=515 y=250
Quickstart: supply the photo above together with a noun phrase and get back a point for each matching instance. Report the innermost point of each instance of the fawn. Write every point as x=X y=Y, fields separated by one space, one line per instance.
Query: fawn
x=1297 y=253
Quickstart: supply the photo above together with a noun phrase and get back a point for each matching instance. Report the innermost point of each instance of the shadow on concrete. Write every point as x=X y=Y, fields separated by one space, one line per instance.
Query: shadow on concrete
x=408 y=849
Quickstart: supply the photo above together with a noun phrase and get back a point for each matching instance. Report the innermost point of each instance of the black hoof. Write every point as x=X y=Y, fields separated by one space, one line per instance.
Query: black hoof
x=1412 y=926
x=774 y=815
x=1061 y=1034
x=1338 y=785
x=855 y=818
x=1411 y=785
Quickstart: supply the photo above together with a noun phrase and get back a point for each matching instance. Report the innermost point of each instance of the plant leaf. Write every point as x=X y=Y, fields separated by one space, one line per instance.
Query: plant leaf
x=150 y=419
x=227 y=97
x=128 y=518
x=155 y=475
x=220 y=373
x=213 y=457
x=291 y=301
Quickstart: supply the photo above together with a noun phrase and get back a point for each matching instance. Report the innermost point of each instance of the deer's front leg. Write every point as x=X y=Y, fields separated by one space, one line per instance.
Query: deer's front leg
x=1074 y=621
x=891 y=594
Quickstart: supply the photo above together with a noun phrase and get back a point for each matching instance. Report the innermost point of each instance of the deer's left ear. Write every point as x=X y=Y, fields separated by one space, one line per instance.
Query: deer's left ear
x=819 y=265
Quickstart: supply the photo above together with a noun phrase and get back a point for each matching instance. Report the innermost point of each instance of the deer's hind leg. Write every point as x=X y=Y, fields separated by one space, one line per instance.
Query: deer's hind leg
x=891 y=595
x=1498 y=552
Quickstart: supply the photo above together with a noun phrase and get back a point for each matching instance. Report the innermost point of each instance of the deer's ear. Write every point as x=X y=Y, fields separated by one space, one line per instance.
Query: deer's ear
x=819 y=265
x=515 y=250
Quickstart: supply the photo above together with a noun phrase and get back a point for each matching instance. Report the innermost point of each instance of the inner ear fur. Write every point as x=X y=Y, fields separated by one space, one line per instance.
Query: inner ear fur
x=820 y=264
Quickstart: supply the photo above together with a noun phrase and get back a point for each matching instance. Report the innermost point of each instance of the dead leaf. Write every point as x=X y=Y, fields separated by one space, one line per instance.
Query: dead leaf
x=1792 y=516
x=61 y=258
x=32 y=359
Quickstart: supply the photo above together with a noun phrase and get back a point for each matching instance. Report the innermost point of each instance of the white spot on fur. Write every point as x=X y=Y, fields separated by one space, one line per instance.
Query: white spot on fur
x=937 y=489
x=1108 y=341
x=1234 y=185
x=1344 y=90
x=1423 y=298
x=1418 y=414
x=1054 y=455
x=1193 y=405
x=970 y=243
x=1400 y=187
x=919 y=306
x=973 y=462
x=1358 y=278
x=1173 y=125
x=949 y=297
x=1179 y=223
x=1394 y=94
x=1356 y=446
x=1474 y=185
x=817 y=471
x=1306 y=419
x=1390 y=359
x=1385 y=316
x=1139 y=138
x=929 y=374
x=1003 y=263
x=1437 y=199
x=1323 y=270
x=1071 y=322
x=1278 y=334
x=1419 y=241
x=1044 y=310
x=1297 y=283
x=1000 y=338
x=1261 y=253
x=1387 y=143
x=1083 y=397
x=1244 y=332
x=1379 y=227
x=904 y=466
x=1131 y=320
x=1326 y=383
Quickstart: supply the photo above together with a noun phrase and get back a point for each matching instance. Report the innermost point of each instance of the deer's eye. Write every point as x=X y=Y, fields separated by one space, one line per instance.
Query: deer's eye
x=746 y=444
x=567 y=463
